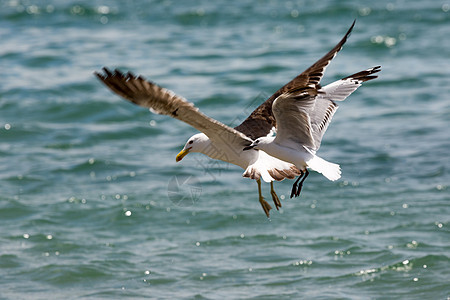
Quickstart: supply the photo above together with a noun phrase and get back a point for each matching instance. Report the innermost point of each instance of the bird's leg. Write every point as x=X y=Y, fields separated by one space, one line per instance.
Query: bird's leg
x=266 y=207
x=294 y=186
x=274 y=196
x=299 y=188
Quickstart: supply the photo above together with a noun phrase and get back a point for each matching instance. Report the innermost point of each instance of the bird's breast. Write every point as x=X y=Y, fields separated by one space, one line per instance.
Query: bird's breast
x=298 y=157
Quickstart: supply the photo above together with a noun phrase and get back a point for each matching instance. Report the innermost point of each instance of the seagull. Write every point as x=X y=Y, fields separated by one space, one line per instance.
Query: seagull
x=217 y=140
x=303 y=114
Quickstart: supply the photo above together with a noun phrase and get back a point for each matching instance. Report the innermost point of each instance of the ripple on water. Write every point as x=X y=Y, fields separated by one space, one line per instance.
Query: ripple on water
x=10 y=261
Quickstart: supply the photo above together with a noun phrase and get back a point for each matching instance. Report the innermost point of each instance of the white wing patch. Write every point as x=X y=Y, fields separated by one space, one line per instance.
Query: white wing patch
x=339 y=90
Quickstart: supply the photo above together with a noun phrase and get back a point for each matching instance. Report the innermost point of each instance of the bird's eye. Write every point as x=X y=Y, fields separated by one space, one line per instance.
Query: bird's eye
x=190 y=142
x=257 y=141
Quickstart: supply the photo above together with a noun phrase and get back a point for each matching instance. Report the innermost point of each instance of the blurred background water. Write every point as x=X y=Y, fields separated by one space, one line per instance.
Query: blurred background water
x=85 y=177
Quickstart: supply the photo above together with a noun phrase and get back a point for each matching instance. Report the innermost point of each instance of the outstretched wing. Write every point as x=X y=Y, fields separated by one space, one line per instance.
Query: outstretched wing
x=293 y=121
x=303 y=116
x=163 y=101
x=325 y=106
x=261 y=120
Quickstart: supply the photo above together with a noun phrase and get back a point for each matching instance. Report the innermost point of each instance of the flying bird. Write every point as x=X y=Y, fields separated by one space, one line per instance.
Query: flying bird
x=216 y=139
x=303 y=113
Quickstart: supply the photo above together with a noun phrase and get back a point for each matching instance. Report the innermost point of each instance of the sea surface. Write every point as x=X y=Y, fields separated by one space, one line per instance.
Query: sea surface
x=94 y=206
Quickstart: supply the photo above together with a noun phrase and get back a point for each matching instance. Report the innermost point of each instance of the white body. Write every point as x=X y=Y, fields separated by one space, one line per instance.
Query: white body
x=255 y=163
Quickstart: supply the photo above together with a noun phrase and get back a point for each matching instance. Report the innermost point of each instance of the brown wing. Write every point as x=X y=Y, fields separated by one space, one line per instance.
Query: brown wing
x=261 y=120
x=160 y=100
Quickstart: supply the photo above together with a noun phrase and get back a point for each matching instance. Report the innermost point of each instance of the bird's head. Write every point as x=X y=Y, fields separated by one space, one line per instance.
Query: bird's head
x=196 y=143
x=259 y=143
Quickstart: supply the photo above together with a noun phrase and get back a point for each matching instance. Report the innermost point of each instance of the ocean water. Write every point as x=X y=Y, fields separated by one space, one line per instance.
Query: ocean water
x=94 y=206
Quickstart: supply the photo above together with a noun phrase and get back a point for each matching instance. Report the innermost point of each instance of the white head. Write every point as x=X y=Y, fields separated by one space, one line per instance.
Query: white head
x=196 y=143
x=260 y=143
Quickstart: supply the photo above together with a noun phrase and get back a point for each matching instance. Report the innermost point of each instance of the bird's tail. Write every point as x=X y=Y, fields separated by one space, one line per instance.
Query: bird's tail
x=330 y=170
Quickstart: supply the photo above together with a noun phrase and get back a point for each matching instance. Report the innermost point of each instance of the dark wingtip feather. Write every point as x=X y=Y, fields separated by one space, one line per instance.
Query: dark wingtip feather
x=351 y=27
x=107 y=72
x=347 y=35
x=98 y=75
x=365 y=75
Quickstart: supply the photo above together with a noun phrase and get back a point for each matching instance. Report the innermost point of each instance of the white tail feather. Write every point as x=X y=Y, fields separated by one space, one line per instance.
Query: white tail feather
x=330 y=170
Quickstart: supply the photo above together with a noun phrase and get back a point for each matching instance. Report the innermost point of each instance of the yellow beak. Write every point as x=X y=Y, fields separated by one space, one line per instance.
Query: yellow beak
x=182 y=154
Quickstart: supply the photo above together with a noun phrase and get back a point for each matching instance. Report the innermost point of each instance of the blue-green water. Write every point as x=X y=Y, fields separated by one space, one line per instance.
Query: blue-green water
x=85 y=176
